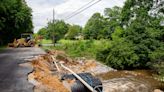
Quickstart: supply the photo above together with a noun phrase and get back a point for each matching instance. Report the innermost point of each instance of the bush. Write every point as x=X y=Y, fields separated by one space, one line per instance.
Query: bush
x=125 y=53
x=83 y=48
x=120 y=56
x=157 y=58
x=159 y=68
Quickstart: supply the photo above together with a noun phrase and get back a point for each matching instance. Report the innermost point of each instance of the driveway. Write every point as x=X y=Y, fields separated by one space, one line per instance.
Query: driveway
x=13 y=77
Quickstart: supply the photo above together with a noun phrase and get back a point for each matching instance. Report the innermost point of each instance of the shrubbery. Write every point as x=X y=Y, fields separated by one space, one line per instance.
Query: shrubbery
x=131 y=51
x=83 y=48
x=121 y=54
x=139 y=43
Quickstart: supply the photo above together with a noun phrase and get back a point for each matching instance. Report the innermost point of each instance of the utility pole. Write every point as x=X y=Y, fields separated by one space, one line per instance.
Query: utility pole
x=53 y=27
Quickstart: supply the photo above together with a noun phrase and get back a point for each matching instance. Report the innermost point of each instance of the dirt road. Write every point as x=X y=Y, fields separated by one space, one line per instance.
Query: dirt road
x=13 y=77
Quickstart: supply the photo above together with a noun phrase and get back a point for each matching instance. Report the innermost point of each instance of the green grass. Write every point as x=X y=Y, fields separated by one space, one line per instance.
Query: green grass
x=82 y=48
x=45 y=41
x=48 y=48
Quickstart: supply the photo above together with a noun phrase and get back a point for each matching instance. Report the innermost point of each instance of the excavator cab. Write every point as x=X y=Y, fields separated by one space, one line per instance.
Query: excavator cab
x=27 y=36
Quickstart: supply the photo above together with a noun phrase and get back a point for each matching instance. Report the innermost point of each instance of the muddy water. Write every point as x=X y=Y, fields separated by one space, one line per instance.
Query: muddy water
x=145 y=76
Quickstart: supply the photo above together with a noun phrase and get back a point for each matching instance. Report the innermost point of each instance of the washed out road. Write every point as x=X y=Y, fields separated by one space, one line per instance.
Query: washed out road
x=13 y=77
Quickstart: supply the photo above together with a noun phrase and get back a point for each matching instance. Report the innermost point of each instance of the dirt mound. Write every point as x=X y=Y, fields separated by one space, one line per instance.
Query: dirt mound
x=46 y=77
x=51 y=81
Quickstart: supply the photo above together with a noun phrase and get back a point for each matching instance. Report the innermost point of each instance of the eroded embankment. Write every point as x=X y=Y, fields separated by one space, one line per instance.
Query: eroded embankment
x=47 y=78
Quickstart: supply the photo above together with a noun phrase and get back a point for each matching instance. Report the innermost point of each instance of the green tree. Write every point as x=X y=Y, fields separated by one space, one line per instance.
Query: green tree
x=141 y=43
x=43 y=32
x=57 y=30
x=73 y=31
x=143 y=29
x=94 y=26
x=15 y=18
x=99 y=26
x=112 y=20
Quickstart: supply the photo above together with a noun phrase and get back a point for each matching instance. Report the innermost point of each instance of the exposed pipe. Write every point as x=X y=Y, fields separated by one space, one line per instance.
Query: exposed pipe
x=79 y=78
x=55 y=63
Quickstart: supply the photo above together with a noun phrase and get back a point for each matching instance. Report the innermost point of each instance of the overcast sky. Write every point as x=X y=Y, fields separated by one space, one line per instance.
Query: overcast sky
x=43 y=10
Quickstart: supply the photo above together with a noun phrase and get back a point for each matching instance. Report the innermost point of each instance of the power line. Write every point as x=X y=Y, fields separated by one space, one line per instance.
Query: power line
x=82 y=10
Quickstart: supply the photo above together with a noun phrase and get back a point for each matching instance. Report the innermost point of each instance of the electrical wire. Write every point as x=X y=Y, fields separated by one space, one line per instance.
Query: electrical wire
x=82 y=10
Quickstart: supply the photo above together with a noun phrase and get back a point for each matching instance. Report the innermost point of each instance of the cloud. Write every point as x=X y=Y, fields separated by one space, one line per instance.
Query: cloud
x=42 y=10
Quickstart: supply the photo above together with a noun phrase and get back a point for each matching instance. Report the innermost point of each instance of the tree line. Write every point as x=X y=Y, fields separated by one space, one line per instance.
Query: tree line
x=97 y=27
x=15 y=18
x=59 y=29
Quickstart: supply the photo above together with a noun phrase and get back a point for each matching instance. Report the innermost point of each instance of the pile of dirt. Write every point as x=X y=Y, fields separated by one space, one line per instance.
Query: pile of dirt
x=48 y=80
x=46 y=77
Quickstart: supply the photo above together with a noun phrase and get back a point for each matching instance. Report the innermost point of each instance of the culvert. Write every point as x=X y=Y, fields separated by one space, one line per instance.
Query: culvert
x=78 y=86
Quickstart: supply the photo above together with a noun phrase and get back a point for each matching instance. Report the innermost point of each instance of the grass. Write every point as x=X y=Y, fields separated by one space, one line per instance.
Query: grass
x=48 y=48
x=45 y=41
x=81 y=48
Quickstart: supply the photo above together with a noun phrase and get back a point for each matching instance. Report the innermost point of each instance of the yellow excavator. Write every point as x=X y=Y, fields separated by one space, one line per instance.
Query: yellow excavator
x=26 y=40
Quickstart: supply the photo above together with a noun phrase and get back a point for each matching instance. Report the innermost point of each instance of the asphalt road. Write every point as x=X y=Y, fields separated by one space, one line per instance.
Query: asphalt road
x=13 y=77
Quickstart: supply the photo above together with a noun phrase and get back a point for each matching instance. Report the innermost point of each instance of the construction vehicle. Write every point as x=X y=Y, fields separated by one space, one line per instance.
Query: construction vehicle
x=26 y=40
